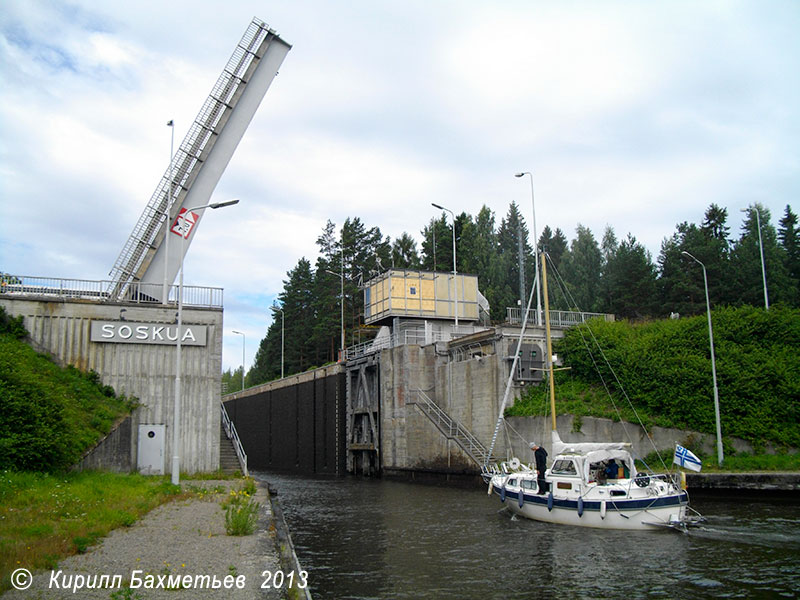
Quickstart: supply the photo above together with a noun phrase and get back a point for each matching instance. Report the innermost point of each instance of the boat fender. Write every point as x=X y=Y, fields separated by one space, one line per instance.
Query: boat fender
x=580 y=506
x=521 y=497
x=602 y=509
x=503 y=493
x=514 y=464
x=491 y=487
x=683 y=480
x=550 y=501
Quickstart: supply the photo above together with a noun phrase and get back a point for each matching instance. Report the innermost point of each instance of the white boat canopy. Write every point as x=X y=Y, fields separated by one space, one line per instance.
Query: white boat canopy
x=592 y=453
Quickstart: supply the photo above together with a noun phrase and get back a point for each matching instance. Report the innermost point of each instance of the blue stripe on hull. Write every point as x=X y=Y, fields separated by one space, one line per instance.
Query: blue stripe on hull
x=611 y=504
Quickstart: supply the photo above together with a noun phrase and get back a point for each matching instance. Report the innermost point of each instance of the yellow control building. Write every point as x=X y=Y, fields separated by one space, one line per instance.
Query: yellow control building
x=421 y=295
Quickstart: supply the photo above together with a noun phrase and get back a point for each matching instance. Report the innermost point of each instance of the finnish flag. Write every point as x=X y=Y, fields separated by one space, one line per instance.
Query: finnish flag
x=686 y=459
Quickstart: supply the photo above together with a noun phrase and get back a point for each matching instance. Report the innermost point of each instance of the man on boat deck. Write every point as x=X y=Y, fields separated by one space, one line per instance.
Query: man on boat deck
x=540 y=455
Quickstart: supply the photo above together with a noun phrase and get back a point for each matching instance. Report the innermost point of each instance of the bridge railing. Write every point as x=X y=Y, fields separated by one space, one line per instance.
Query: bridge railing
x=558 y=318
x=409 y=335
x=85 y=289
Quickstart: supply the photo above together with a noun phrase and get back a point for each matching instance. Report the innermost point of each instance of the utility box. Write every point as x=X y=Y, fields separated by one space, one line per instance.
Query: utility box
x=530 y=366
x=420 y=294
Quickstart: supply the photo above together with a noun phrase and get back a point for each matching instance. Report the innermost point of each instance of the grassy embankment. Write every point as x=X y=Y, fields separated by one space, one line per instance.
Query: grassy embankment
x=664 y=368
x=50 y=416
x=46 y=517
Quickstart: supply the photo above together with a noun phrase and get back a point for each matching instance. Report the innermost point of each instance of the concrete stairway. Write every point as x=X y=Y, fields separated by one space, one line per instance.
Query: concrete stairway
x=452 y=429
x=228 y=461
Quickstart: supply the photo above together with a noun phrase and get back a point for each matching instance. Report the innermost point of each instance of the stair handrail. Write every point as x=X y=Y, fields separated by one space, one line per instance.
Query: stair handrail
x=452 y=428
x=233 y=436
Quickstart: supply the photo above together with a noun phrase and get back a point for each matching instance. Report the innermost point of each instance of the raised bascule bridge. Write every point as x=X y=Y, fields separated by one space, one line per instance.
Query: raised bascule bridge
x=419 y=399
x=125 y=328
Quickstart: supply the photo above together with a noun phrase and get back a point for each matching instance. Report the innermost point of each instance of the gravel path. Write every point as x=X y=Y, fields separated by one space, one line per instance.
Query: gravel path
x=184 y=537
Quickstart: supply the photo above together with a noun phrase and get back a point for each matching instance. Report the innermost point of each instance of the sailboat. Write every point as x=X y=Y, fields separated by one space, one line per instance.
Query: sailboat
x=589 y=484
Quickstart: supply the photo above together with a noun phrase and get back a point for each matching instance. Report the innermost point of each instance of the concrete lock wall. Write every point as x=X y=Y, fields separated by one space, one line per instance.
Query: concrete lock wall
x=62 y=328
x=592 y=429
x=469 y=390
x=293 y=424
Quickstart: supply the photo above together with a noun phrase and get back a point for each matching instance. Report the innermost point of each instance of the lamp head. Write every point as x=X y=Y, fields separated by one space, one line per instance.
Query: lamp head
x=519 y=174
x=437 y=206
x=223 y=204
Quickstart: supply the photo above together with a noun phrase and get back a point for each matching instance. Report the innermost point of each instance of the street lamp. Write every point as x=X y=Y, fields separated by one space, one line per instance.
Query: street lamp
x=713 y=363
x=535 y=253
x=761 y=250
x=341 y=302
x=455 y=273
x=167 y=221
x=243 y=339
x=282 y=323
x=341 y=296
x=176 y=459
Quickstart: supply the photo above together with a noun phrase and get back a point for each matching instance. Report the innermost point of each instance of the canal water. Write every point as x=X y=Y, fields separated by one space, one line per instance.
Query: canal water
x=363 y=538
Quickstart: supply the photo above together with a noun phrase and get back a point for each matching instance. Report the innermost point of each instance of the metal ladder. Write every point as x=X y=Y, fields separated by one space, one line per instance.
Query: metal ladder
x=452 y=429
x=148 y=232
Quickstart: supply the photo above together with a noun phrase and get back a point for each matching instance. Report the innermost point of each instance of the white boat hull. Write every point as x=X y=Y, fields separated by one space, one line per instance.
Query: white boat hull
x=645 y=513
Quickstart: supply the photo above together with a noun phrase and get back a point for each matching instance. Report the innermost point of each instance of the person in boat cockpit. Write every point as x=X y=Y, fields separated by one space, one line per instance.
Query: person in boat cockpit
x=540 y=455
x=612 y=469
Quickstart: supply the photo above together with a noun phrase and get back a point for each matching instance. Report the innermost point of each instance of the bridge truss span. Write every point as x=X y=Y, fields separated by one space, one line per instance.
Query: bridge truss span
x=197 y=166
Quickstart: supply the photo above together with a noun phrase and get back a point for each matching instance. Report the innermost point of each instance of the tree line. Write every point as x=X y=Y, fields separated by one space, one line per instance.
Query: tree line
x=612 y=275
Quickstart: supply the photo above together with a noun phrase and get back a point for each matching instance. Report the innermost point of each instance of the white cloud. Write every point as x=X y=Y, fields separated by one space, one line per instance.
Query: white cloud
x=634 y=115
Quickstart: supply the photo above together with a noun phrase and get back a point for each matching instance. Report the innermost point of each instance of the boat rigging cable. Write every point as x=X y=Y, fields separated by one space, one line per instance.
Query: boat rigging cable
x=569 y=297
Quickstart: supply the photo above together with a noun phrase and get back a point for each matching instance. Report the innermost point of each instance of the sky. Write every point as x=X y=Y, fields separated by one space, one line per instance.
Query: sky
x=636 y=115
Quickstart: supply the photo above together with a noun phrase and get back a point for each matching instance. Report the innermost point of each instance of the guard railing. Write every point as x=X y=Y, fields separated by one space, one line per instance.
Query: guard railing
x=84 y=289
x=452 y=429
x=230 y=431
x=558 y=318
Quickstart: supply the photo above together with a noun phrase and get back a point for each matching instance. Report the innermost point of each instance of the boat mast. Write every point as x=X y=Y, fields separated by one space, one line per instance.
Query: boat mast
x=549 y=342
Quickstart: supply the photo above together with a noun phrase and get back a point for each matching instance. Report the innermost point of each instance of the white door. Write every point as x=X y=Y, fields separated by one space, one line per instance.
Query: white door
x=151 y=449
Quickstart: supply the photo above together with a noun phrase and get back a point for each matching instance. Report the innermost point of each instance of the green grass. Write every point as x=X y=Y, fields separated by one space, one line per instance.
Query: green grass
x=51 y=415
x=44 y=518
x=753 y=462
x=241 y=511
x=731 y=463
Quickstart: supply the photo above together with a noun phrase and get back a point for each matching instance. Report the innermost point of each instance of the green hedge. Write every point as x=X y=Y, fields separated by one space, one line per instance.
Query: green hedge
x=665 y=369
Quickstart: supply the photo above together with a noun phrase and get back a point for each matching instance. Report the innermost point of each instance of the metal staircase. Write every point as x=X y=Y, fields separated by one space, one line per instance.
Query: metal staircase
x=452 y=429
x=149 y=232
x=231 y=449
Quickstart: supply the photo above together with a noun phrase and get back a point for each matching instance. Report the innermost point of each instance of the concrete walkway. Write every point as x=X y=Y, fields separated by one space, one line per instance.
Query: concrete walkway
x=180 y=551
x=765 y=481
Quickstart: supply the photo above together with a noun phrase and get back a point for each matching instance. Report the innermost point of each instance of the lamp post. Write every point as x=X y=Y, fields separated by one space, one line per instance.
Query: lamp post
x=167 y=221
x=761 y=250
x=341 y=293
x=713 y=363
x=455 y=273
x=176 y=425
x=282 y=323
x=243 y=339
x=535 y=252
x=341 y=303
